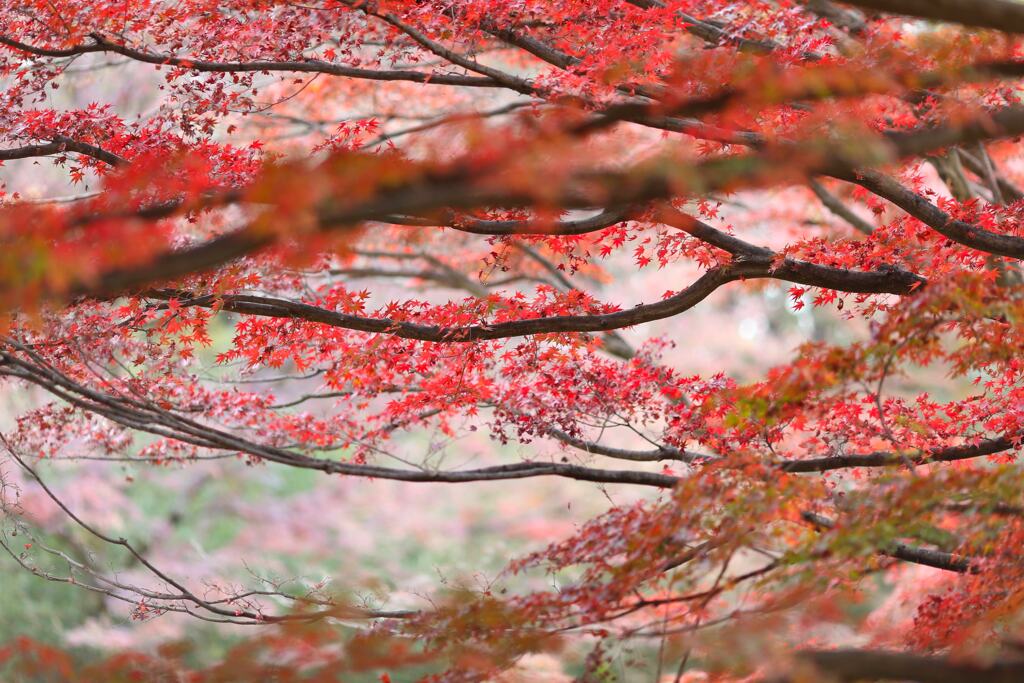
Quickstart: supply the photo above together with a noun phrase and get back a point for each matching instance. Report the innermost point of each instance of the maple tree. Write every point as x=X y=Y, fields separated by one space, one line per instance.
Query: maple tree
x=427 y=216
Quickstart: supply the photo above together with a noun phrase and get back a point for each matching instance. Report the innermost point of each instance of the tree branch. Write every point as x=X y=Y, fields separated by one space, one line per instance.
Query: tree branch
x=154 y=420
x=836 y=206
x=908 y=553
x=103 y=44
x=856 y=665
x=888 y=458
x=964 y=233
x=887 y=281
x=1001 y=15
x=59 y=145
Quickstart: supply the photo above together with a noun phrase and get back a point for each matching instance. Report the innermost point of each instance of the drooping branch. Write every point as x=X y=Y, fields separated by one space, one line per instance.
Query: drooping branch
x=234 y=609
x=578 y=226
x=506 y=79
x=152 y=419
x=314 y=66
x=659 y=454
x=837 y=207
x=981 y=166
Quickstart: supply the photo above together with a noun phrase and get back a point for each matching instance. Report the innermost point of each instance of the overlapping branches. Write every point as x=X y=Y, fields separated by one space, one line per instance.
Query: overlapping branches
x=151 y=418
x=315 y=66
x=454 y=194
x=747 y=267
x=647 y=181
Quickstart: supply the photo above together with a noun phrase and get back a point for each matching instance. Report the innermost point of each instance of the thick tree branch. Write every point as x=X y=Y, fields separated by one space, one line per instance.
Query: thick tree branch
x=968 y=234
x=59 y=145
x=888 y=458
x=850 y=19
x=874 y=665
x=646 y=182
x=907 y=553
x=888 y=281
x=1001 y=15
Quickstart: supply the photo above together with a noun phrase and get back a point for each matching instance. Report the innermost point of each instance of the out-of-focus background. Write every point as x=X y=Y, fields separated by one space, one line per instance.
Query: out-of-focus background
x=391 y=544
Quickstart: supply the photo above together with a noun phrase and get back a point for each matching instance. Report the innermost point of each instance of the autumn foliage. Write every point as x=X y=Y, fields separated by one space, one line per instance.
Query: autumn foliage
x=305 y=235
